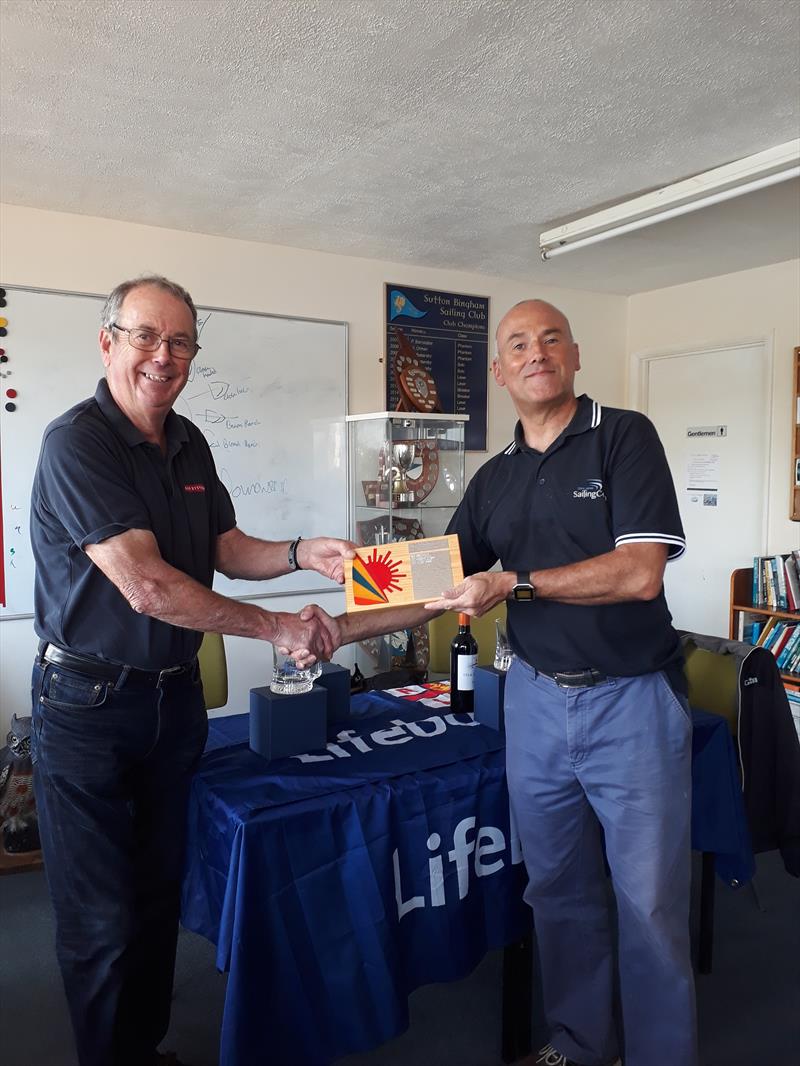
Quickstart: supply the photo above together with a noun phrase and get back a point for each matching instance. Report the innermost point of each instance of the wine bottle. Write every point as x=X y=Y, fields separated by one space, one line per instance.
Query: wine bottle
x=463 y=656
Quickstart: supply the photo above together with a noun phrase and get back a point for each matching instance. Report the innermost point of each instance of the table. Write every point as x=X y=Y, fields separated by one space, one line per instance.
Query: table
x=337 y=882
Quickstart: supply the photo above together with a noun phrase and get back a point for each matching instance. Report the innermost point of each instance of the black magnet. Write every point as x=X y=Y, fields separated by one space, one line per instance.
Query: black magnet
x=11 y=407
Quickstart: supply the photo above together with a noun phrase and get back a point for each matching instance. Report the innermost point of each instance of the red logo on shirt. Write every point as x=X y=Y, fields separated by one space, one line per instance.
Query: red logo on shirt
x=194 y=488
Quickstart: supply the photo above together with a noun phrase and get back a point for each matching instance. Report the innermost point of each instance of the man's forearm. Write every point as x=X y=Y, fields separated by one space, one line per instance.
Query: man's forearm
x=630 y=572
x=172 y=596
x=242 y=556
x=362 y=624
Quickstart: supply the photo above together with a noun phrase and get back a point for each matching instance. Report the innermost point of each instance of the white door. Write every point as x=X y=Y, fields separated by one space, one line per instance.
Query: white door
x=711 y=410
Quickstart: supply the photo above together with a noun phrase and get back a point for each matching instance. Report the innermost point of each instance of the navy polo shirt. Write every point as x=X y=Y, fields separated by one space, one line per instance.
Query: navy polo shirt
x=603 y=482
x=97 y=477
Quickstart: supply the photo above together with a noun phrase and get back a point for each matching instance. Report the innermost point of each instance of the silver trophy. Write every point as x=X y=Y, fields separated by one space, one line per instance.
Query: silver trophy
x=402 y=455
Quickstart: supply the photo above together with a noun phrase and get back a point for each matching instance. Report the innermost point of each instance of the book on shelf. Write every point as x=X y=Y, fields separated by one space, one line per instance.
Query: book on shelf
x=787 y=651
x=748 y=626
x=780 y=583
x=792 y=582
x=764 y=638
x=783 y=633
x=792 y=665
x=773 y=634
x=793 y=695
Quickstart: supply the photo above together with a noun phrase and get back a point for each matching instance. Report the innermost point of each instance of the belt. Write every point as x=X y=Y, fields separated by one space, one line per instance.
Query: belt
x=576 y=678
x=84 y=664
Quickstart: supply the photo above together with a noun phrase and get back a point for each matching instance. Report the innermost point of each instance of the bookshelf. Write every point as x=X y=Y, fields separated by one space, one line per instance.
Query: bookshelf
x=795 y=498
x=742 y=604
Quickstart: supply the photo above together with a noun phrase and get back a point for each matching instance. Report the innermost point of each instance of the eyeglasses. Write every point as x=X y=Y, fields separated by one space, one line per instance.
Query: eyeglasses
x=148 y=341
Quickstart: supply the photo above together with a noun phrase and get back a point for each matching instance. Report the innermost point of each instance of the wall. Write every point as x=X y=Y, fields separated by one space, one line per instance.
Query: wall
x=748 y=305
x=82 y=254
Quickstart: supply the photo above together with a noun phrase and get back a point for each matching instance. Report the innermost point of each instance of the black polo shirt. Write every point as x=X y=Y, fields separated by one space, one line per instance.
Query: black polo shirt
x=604 y=482
x=97 y=477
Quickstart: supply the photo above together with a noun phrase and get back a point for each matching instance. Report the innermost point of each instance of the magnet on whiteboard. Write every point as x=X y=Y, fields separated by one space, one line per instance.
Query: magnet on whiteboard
x=11 y=407
x=3 y=321
x=11 y=394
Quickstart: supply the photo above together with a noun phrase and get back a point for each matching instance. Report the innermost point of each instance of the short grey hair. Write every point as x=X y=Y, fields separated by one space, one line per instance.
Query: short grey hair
x=115 y=299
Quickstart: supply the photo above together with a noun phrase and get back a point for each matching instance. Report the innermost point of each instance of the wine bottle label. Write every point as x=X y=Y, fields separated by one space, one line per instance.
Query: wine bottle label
x=466 y=672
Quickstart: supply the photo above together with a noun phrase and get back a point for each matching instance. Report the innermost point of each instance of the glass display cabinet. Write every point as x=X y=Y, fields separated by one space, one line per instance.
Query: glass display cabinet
x=406 y=479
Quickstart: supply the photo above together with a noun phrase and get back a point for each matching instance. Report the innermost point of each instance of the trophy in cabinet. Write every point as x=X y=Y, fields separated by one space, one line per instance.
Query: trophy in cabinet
x=402 y=456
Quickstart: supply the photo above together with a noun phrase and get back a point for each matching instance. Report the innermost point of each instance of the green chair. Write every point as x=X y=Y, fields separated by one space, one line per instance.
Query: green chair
x=441 y=631
x=713 y=682
x=213 y=670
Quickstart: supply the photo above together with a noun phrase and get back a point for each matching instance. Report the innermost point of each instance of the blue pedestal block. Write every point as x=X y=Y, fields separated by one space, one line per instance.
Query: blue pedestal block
x=287 y=725
x=336 y=682
x=489 y=693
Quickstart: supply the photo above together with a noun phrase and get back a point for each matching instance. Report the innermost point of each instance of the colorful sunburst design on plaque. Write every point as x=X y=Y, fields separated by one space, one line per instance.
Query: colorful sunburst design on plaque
x=374 y=576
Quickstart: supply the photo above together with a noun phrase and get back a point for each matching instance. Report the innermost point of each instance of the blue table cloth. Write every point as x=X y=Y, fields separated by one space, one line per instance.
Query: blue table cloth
x=336 y=882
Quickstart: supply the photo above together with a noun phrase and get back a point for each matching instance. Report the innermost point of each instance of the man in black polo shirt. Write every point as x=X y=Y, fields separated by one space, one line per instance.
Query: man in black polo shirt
x=129 y=521
x=581 y=512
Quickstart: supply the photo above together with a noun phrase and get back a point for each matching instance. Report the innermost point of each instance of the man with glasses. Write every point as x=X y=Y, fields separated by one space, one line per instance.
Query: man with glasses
x=129 y=521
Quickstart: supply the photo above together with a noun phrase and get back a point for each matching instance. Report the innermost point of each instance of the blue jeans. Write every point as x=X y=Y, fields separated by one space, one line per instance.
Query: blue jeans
x=607 y=764
x=113 y=767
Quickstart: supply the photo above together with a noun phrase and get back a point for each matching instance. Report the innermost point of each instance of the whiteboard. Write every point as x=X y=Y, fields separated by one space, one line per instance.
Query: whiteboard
x=269 y=393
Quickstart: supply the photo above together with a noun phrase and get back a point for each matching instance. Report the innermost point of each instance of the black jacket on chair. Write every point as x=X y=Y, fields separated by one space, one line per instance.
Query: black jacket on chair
x=769 y=749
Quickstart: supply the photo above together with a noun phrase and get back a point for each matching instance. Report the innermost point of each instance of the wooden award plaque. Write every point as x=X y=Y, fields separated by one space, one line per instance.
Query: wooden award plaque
x=402 y=573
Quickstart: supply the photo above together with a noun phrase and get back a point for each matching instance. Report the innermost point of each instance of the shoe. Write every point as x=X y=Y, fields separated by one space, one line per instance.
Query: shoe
x=548 y=1056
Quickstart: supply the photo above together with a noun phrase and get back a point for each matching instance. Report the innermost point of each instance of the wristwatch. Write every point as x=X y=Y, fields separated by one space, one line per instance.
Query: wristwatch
x=524 y=588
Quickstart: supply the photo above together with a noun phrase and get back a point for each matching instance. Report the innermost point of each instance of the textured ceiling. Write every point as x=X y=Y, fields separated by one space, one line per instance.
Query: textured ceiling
x=440 y=132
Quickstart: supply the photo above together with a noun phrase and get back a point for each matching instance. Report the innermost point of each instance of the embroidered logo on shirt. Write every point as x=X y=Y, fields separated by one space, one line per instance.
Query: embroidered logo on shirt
x=591 y=489
x=198 y=487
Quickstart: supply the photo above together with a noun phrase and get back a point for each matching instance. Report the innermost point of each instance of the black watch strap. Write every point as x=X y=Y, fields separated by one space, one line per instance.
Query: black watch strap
x=293 y=563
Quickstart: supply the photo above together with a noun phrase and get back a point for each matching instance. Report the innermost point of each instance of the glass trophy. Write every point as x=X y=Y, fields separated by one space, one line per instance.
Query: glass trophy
x=289 y=679
x=502 y=649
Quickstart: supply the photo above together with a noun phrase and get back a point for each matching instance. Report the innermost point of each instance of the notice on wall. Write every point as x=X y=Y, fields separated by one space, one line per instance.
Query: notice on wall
x=702 y=478
x=449 y=335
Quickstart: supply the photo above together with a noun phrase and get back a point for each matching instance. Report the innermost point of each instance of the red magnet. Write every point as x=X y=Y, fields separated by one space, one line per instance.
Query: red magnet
x=11 y=394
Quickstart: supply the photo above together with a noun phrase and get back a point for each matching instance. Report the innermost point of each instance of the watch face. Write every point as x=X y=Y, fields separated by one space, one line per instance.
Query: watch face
x=523 y=592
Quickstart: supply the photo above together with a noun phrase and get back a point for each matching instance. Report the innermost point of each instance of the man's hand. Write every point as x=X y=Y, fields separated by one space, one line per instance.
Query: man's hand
x=314 y=613
x=307 y=636
x=326 y=555
x=474 y=596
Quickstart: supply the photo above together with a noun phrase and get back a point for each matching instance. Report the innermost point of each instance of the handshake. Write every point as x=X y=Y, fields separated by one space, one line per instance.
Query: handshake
x=309 y=636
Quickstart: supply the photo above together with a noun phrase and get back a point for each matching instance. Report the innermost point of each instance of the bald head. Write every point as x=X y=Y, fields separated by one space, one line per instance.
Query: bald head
x=505 y=324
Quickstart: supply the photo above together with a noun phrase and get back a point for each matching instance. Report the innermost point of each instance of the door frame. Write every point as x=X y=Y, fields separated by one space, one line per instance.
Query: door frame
x=639 y=381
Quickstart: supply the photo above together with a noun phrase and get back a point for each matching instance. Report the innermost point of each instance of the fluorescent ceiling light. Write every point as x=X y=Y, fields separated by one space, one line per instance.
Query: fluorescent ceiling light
x=713 y=187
